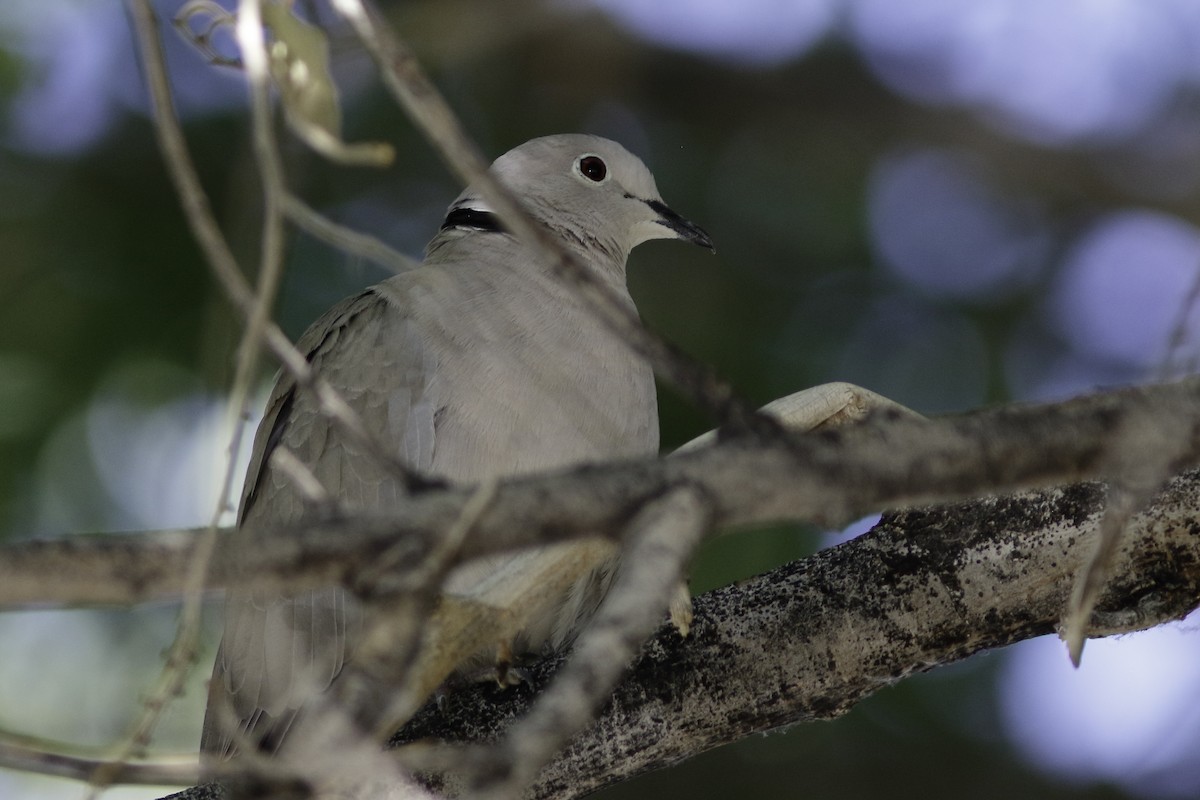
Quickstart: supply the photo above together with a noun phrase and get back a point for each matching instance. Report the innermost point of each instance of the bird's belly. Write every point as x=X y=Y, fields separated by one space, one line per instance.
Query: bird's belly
x=534 y=415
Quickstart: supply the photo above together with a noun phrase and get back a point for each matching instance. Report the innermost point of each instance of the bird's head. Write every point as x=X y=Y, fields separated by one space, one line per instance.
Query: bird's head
x=599 y=197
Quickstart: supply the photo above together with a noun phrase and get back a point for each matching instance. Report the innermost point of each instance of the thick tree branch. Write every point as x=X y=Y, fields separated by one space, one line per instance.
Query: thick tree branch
x=829 y=477
x=810 y=639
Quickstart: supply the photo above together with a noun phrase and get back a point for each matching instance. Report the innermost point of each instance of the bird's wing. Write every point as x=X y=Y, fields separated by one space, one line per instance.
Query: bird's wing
x=277 y=651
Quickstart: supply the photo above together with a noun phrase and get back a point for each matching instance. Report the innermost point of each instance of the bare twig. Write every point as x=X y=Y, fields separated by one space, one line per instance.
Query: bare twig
x=249 y=30
x=224 y=266
x=1179 y=333
x=402 y=74
x=393 y=649
x=1143 y=452
x=202 y=39
x=334 y=759
x=48 y=758
x=309 y=487
x=445 y=552
x=663 y=536
x=299 y=65
x=345 y=239
x=182 y=653
x=184 y=649
x=403 y=614
x=255 y=306
x=1119 y=510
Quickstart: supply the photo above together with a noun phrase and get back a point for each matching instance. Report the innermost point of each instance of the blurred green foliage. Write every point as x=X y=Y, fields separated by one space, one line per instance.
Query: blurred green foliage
x=98 y=272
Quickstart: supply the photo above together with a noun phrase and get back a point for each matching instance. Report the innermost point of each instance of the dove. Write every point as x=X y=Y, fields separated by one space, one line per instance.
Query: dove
x=478 y=364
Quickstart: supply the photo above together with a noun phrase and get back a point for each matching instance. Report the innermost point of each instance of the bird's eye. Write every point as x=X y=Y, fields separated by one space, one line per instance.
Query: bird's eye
x=593 y=168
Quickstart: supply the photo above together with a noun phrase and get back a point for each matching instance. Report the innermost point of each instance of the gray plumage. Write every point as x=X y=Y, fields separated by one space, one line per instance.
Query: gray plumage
x=477 y=364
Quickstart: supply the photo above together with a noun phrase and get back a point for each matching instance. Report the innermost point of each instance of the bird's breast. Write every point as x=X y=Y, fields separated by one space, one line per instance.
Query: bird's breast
x=532 y=381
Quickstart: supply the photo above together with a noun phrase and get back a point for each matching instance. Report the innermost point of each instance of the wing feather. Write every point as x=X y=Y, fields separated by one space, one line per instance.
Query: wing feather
x=279 y=650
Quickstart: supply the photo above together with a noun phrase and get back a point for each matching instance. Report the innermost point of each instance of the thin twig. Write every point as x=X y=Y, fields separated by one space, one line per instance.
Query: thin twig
x=343 y=238
x=300 y=476
x=47 y=758
x=249 y=31
x=414 y=91
x=202 y=39
x=183 y=651
x=224 y=266
x=1119 y=507
x=662 y=539
x=1143 y=451
x=256 y=308
x=421 y=588
x=395 y=667
x=442 y=556
x=1179 y=332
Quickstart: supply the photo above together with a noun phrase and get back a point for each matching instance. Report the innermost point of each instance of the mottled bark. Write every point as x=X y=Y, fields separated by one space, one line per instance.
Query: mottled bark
x=810 y=639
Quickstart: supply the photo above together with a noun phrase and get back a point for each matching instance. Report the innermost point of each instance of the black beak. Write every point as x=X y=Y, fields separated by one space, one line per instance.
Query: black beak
x=688 y=231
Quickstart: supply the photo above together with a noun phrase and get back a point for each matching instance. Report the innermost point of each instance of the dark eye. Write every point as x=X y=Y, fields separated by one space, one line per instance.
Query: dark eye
x=593 y=168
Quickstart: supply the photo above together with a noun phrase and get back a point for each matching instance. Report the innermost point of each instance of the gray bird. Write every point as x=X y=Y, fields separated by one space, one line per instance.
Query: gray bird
x=477 y=364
